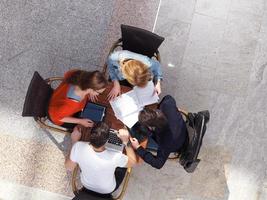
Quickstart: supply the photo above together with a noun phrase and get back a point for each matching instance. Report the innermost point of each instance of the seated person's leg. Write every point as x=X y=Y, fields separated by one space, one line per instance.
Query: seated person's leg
x=65 y=125
x=68 y=126
x=85 y=194
x=119 y=175
x=94 y=194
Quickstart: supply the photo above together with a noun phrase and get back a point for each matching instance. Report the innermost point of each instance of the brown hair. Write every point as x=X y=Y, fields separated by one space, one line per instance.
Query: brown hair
x=85 y=80
x=135 y=72
x=152 y=118
x=98 y=135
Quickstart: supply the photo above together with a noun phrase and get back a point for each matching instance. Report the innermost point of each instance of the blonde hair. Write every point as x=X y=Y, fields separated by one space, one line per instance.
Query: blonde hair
x=135 y=72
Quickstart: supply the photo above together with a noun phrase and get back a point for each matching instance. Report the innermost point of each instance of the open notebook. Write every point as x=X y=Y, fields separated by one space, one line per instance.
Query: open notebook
x=127 y=106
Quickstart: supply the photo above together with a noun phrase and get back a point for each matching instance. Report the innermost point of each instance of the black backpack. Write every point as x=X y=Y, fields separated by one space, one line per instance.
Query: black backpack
x=196 y=127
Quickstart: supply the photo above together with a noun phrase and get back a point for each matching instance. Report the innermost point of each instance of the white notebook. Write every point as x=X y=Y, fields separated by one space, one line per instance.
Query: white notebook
x=127 y=106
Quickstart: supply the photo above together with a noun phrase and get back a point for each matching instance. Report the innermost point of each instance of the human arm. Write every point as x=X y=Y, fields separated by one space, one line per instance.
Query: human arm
x=115 y=91
x=155 y=68
x=114 y=74
x=74 y=120
x=76 y=134
x=71 y=159
x=124 y=136
x=69 y=164
x=114 y=66
x=157 y=75
x=158 y=87
x=93 y=95
x=65 y=112
x=132 y=160
x=155 y=161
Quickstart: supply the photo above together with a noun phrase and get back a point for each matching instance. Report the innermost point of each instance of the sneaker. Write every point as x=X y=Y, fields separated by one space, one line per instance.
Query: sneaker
x=206 y=114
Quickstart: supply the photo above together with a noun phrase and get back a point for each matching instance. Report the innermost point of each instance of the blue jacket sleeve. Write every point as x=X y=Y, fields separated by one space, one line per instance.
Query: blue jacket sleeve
x=156 y=69
x=113 y=66
x=155 y=161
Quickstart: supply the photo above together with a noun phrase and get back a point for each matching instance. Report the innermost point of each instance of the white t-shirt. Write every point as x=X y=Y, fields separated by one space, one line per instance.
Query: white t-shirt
x=97 y=168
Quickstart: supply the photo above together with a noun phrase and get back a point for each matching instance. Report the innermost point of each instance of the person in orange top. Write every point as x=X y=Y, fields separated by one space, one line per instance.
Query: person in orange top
x=71 y=96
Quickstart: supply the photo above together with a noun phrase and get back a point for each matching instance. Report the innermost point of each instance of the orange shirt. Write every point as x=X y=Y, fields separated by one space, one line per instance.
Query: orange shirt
x=60 y=105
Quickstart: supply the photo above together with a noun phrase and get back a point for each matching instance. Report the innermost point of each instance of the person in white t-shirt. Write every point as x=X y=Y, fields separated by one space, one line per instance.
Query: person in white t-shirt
x=101 y=169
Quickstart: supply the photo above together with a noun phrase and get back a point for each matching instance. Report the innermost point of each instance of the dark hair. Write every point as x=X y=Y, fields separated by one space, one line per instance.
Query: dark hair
x=99 y=135
x=85 y=80
x=152 y=118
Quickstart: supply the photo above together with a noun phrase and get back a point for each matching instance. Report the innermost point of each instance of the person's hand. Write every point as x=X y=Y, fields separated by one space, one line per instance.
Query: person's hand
x=86 y=122
x=93 y=95
x=124 y=136
x=158 y=88
x=115 y=91
x=76 y=135
x=135 y=143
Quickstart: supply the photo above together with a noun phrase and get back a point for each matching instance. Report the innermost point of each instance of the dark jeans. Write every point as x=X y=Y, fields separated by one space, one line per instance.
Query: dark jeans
x=94 y=194
x=68 y=126
x=119 y=176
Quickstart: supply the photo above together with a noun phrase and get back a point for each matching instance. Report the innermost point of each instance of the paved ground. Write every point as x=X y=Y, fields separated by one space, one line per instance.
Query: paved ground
x=214 y=57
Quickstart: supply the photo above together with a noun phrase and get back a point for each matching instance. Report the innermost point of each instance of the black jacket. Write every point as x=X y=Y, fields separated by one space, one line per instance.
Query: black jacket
x=170 y=138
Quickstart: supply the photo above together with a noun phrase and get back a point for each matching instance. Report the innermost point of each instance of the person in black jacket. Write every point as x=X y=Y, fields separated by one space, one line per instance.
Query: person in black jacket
x=168 y=130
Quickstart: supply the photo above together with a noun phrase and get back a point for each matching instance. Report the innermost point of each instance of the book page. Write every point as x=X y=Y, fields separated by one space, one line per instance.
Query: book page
x=146 y=95
x=131 y=119
x=125 y=104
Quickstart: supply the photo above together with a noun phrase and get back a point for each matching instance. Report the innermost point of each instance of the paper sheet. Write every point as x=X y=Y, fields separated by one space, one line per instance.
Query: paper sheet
x=130 y=120
x=146 y=95
x=125 y=104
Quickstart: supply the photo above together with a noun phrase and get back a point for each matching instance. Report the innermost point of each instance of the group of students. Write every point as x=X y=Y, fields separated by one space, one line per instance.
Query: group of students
x=101 y=169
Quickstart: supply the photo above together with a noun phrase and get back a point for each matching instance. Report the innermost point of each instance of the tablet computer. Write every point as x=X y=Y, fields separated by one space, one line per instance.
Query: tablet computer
x=94 y=112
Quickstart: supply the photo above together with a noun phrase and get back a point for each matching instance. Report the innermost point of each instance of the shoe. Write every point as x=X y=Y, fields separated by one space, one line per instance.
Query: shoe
x=206 y=115
x=190 y=167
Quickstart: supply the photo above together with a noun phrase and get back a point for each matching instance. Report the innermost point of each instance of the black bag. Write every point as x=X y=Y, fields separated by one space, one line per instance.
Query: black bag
x=196 y=127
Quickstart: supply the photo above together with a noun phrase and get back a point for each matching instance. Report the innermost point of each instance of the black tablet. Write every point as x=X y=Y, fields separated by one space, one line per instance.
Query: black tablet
x=94 y=112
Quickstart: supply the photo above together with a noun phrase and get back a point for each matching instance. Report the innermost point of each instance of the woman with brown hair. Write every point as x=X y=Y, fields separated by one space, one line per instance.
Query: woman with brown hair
x=71 y=96
x=137 y=69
